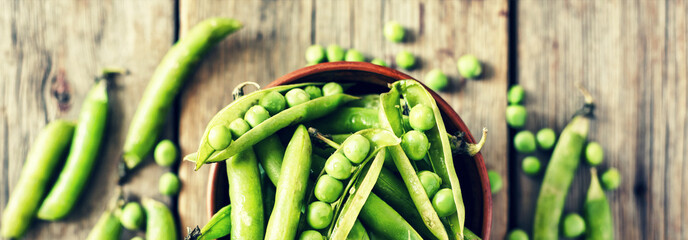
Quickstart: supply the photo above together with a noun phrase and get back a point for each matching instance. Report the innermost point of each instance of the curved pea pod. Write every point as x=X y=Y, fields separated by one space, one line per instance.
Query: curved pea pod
x=45 y=154
x=83 y=153
x=383 y=221
x=218 y=226
x=303 y=112
x=108 y=227
x=159 y=220
x=347 y=120
x=166 y=82
x=598 y=214
x=370 y=101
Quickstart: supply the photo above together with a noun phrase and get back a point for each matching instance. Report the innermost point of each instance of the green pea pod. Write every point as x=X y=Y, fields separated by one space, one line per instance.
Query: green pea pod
x=352 y=207
x=558 y=178
x=382 y=220
x=82 y=155
x=370 y=101
x=300 y=113
x=218 y=226
x=270 y=153
x=598 y=214
x=159 y=220
x=166 y=82
x=347 y=120
x=291 y=188
x=358 y=232
x=455 y=227
x=440 y=153
x=245 y=195
x=46 y=152
x=108 y=227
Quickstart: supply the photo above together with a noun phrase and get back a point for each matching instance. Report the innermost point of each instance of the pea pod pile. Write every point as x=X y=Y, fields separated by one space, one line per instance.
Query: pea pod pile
x=392 y=176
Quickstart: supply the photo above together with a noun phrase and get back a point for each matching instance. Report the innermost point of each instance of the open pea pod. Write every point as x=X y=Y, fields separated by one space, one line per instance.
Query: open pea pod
x=361 y=190
x=440 y=153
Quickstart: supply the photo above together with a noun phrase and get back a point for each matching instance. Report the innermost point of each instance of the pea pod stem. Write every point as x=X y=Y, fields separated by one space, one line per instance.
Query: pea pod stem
x=460 y=146
x=239 y=89
x=45 y=154
x=165 y=84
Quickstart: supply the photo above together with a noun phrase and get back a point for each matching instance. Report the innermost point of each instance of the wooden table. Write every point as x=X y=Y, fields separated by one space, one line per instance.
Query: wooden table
x=632 y=55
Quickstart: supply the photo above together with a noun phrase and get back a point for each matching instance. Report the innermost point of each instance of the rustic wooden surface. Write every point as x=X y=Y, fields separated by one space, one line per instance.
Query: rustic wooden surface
x=630 y=54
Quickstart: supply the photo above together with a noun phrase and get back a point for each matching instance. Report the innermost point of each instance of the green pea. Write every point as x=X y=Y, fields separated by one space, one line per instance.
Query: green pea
x=611 y=179
x=516 y=116
x=421 y=118
x=378 y=61
x=311 y=235
x=256 y=115
x=431 y=182
x=356 y=148
x=394 y=32
x=436 y=80
x=319 y=215
x=338 y=166
x=332 y=88
x=328 y=189
x=495 y=181
x=165 y=153
x=405 y=59
x=594 y=154
x=531 y=165
x=315 y=54
x=574 y=225
x=274 y=102
x=415 y=144
x=313 y=91
x=516 y=94
x=443 y=202
x=353 y=55
x=546 y=138
x=335 y=53
x=132 y=216
x=524 y=142
x=518 y=234
x=169 y=184
x=219 y=137
x=238 y=127
x=469 y=66
x=296 y=96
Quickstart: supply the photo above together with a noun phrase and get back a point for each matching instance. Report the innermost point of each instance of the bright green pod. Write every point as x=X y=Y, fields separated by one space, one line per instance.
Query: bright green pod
x=245 y=195
x=108 y=227
x=597 y=212
x=159 y=221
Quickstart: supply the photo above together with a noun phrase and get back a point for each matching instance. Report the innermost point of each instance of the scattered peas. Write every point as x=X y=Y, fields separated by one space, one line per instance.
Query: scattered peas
x=394 y=32
x=516 y=94
x=313 y=91
x=516 y=116
x=311 y=235
x=405 y=59
x=338 y=166
x=436 y=80
x=611 y=179
x=594 y=154
x=469 y=66
x=356 y=148
x=443 y=202
x=378 y=61
x=238 y=127
x=353 y=55
x=328 y=189
x=574 y=225
x=495 y=181
x=421 y=118
x=319 y=215
x=274 y=102
x=219 y=137
x=415 y=144
x=165 y=153
x=546 y=138
x=335 y=53
x=431 y=182
x=531 y=165
x=518 y=234
x=315 y=54
x=132 y=216
x=296 y=96
x=256 y=115
x=169 y=184
x=524 y=142
x=332 y=88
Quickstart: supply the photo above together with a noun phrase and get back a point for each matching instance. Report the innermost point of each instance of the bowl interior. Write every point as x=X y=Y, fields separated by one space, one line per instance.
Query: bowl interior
x=370 y=78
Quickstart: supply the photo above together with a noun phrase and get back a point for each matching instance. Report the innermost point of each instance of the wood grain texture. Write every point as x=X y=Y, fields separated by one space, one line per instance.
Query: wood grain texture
x=51 y=51
x=276 y=35
x=632 y=56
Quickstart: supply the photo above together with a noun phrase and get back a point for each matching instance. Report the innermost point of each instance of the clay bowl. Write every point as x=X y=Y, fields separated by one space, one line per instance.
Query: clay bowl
x=370 y=78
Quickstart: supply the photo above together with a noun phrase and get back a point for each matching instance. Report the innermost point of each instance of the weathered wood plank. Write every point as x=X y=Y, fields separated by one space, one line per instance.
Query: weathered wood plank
x=51 y=51
x=632 y=56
